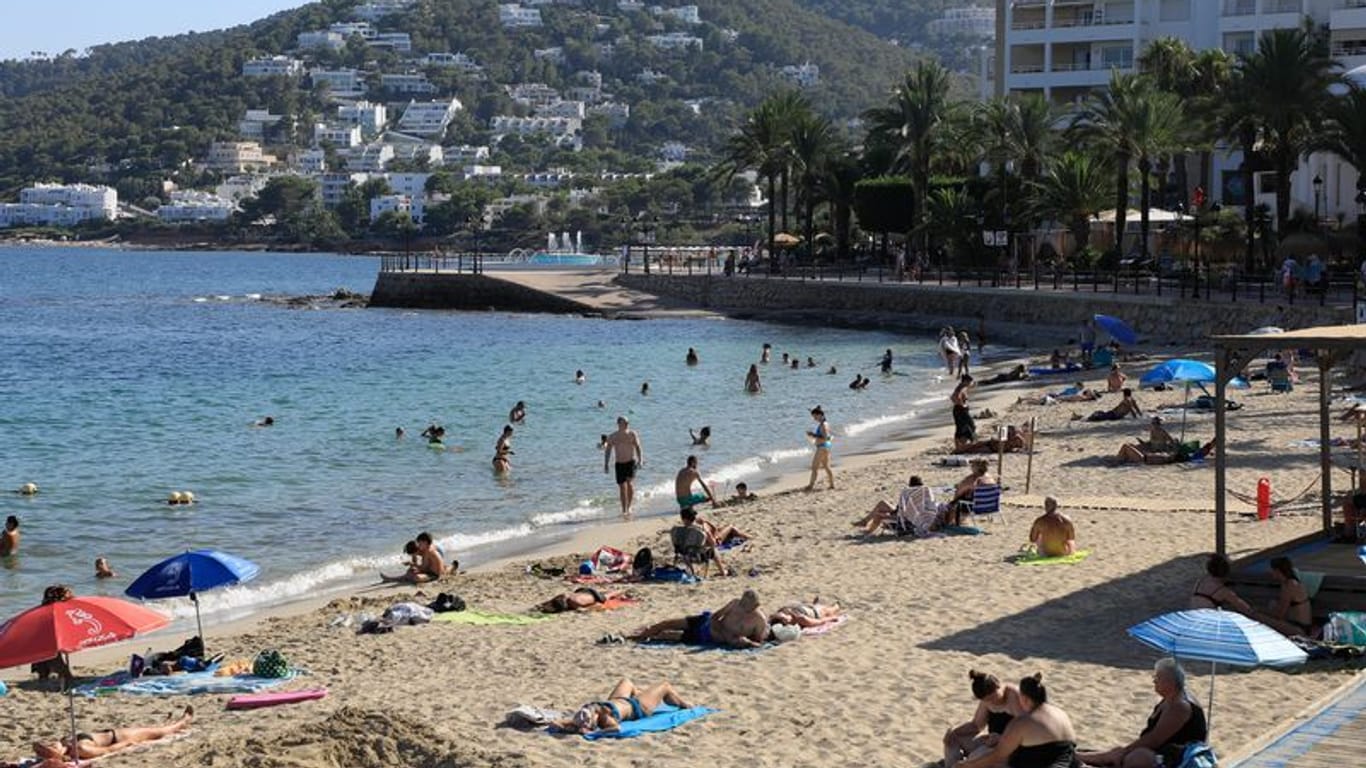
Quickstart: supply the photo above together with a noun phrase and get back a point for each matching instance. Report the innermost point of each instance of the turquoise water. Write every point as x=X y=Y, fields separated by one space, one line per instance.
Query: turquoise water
x=128 y=375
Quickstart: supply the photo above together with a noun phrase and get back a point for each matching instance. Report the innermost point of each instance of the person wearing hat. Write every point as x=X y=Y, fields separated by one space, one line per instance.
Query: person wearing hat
x=625 y=702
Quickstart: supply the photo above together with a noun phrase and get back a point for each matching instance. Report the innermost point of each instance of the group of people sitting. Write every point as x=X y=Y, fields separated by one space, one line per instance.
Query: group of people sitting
x=1291 y=613
x=426 y=562
x=916 y=513
x=1162 y=448
x=1017 y=726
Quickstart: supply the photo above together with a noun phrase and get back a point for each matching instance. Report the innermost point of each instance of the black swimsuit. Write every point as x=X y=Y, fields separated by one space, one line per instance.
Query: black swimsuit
x=997 y=722
x=1193 y=730
x=1052 y=754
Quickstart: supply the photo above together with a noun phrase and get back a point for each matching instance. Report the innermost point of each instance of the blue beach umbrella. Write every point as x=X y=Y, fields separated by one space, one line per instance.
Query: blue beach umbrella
x=1219 y=637
x=1183 y=371
x=1118 y=329
x=188 y=574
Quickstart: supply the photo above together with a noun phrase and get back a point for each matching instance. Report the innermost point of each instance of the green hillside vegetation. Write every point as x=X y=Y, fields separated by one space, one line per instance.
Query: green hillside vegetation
x=133 y=113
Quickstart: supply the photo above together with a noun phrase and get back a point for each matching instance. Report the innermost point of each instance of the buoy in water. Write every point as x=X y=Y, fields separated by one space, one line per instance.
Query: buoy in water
x=28 y=489
x=187 y=497
x=176 y=497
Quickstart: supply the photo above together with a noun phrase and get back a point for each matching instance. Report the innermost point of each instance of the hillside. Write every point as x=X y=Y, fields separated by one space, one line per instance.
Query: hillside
x=131 y=112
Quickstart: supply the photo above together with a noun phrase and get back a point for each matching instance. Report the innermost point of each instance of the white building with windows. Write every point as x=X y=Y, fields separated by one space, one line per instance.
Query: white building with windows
x=964 y=22
x=323 y=39
x=60 y=205
x=368 y=158
x=383 y=204
x=406 y=83
x=534 y=95
x=342 y=83
x=273 y=66
x=371 y=118
x=334 y=186
x=574 y=109
x=675 y=41
x=375 y=10
x=398 y=41
x=466 y=153
x=687 y=14
x=804 y=75
x=339 y=136
x=454 y=60
x=514 y=15
x=189 y=206
x=562 y=130
x=237 y=157
x=429 y=118
x=260 y=125
x=349 y=28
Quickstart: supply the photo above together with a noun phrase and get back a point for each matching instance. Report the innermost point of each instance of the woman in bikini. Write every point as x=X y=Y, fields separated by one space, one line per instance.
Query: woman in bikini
x=89 y=746
x=1213 y=591
x=579 y=599
x=997 y=705
x=1041 y=737
x=822 y=437
x=807 y=615
x=1292 y=614
x=626 y=702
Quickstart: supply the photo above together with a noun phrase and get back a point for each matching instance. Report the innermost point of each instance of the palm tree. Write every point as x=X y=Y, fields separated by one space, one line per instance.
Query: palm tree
x=1071 y=191
x=761 y=145
x=1159 y=129
x=1034 y=133
x=1108 y=121
x=1285 y=92
x=913 y=123
x=842 y=173
x=812 y=143
x=1344 y=128
x=789 y=107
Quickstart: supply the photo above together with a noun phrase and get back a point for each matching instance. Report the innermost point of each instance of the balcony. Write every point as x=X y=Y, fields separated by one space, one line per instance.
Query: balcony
x=1349 y=17
x=1282 y=6
x=1240 y=7
x=1025 y=24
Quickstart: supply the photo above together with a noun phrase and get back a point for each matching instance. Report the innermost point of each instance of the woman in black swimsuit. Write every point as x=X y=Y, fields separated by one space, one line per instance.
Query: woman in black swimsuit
x=1176 y=721
x=625 y=702
x=997 y=705
x=583 y=597
x=1292 y=614
x=90 y=746
x=1213 y=591
x=1040 y=738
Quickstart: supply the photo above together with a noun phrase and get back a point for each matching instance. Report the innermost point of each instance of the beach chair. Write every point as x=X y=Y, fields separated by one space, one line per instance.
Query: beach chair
x=986 y=502
x=1279 y=378
x=691 y=548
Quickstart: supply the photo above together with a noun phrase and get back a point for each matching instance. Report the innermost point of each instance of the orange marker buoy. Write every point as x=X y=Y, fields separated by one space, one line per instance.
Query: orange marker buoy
x=1263 y=498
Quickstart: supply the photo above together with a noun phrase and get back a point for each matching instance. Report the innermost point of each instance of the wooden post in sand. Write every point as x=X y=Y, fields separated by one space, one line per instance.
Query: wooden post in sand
x=1001 y=433
x=1029 y=459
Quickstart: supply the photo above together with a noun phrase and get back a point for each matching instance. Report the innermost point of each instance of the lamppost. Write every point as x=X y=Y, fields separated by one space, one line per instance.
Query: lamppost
x=1318 y=195
x=476 y=223
x=1361 y=221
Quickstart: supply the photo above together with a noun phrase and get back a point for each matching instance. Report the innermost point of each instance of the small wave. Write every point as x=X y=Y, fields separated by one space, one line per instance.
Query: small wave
x=252 y=297
x=223 y=298
x=243 y=599
x=860 y=427
x=200 y=299
x=585 y=511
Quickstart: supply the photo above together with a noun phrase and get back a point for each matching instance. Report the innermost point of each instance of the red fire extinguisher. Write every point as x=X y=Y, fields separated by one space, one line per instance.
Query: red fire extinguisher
x=1263 y=498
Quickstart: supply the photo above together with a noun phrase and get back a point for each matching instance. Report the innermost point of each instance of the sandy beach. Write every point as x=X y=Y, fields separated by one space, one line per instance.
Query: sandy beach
x=879 y=690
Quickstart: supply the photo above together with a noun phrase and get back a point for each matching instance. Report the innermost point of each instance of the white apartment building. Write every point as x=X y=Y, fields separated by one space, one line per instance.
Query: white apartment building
x=964 y=22
x=369 y=158
x=534 y=95
x=375 y=10
x=310 y=161
x=334 y=186
x=188 y=206
x=675 y=41
x=466 y=153
x=1064 y=49
x=273 y=66
x=628 y=6
x=553 y=54
x=617 y=113
x=383 y=204
x=398 y=41
x=557 y=128
x=339 y=136
x=60 y=205
x=495 y=210
x=429 y=118
x=348 y=28
x=515 y=15
x=805 y=75
x=371 y=118
x=456 y=60
x=407 y=82
x=574 y=109
x=685 y=13
x=482 y=172
x=259 y=125
x=342 y=83
x=320 y=40
x=237 y=157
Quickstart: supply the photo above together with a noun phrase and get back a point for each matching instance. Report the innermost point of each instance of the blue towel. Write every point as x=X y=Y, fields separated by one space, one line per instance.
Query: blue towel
x=665 y=718
x=727 y=546
x=181 y=685
x=961 y=530
x=670 y=573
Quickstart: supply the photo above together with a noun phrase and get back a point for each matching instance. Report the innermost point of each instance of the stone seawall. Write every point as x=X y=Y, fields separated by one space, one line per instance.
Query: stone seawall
x=1011 y=314
x=427 y=290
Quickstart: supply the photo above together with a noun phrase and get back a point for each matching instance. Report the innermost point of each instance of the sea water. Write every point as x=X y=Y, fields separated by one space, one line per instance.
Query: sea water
x=125 y=376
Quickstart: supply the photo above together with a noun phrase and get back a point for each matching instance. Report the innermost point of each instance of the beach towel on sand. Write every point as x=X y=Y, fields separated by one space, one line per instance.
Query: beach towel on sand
x=665 y=718
x=487 y=618
x=186 y=684
x=613 y=603
x=698 y=648
x=1033 y=558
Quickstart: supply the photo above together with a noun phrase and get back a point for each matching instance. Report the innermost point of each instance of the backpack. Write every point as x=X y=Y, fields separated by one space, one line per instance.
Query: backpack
x=270 y=664
x=446 y=602
x=1198 y=755
x=643 y=563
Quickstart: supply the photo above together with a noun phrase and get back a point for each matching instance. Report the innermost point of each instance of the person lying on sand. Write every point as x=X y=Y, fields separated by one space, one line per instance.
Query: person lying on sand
x=739 y=624
x=1018 y=373
x=1077 y=393
x=807 y=615
x=1130 y=453
x=1128 y=406
x=997 y=705
x=626 y=702
x=1176 y=721
x=1017 y=439
x=578 y=600
x=90 y=746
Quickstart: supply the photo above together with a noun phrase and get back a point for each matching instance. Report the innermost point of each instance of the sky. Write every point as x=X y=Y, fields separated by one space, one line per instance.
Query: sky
x=79 y=24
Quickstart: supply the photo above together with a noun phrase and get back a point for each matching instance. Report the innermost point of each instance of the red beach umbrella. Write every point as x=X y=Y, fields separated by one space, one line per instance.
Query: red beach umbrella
x=67 y=626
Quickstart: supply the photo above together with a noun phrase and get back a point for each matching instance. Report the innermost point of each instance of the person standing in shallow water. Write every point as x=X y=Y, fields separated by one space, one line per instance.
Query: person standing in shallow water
x=822 y=437
x=752 y=383
x=9 y=540
x=624 y=444
x=691 y=359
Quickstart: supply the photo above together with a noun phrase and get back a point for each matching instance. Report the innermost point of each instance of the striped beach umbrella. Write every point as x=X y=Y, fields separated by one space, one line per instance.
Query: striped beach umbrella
x=1219 y=637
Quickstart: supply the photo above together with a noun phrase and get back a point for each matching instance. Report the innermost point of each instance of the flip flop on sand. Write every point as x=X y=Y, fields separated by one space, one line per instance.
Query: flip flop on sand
x=611 y=638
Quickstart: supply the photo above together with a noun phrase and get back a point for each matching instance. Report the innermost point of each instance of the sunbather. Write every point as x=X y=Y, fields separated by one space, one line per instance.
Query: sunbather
x=979 y=476
x=1130 y=453
x=1213 y=591
x=1127 y=406
x=626 y=702
x=578 y=600
x=1018 y=373
x=1176 y=721
x=739 y=624
x=914 y=512
x=89 y=746
x=1017 y=438
x=1077 y=393
x=807 y=615
x=1291 y=614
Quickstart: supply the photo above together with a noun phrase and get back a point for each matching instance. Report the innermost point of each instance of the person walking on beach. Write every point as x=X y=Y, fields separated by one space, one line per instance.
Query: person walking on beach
x=624 y=444
x=823 y=438
x=683 y=483
x=964 y=427
x=9 y=540
x=965 y=353
x=1053 y=534
x=752 y=383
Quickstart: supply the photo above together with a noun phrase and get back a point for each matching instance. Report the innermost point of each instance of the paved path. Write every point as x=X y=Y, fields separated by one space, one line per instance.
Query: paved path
x=1334 y=737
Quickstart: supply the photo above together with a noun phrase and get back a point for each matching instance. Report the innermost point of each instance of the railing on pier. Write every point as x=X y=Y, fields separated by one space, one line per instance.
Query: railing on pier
x=436 y=263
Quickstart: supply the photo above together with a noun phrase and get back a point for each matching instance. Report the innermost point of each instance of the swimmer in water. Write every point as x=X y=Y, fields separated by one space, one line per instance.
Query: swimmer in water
x=102 y=569
x=752 y=383
x=602 y=442
x=504 y=444
x=601 y=404
x=785 y=358
x=9 y=540
x=399 y=433
x=833 y=371
x=810 y=362
x=764 y=356
x=579 y=378
x=857 y=382
x=692 y=356
x=501 y=463
x=268 y=421
x=645 y=388
x=434 y=432
x=886 y=364
x=518 y=413
x=701 y=437
x=795 y=363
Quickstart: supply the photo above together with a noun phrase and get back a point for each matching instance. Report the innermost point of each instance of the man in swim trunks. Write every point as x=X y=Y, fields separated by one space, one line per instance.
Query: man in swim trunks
x=1053 y=534
x=740 y=624
x=624 y=444
x=683 y=483
x=429 y=568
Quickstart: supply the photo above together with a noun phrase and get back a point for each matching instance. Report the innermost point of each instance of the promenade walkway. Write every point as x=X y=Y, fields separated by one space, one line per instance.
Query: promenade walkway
x=1333 y=737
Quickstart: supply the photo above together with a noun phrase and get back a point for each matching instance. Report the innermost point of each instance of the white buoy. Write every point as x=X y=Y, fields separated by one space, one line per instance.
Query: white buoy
x=187 y=497
x=176 y=497
x=29 y=489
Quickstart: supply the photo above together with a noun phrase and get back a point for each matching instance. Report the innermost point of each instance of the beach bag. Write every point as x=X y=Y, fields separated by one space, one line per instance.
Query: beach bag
x=270 y=663
x=446 y=602
x=609 y=559
x=1346 y=628
x=1198 y=755
x=643 y=563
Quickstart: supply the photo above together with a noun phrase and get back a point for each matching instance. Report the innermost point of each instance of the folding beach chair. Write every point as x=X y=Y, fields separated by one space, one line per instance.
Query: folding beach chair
x=986 y=501
x=1279 y=378
x=691 y=548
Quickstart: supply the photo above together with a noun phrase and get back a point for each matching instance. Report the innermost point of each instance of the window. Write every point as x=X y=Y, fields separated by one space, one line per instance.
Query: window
x=1175 y=10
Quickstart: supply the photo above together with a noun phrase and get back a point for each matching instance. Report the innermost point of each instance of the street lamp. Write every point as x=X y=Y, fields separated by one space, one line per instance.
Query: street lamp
x=1318 y=192
x=1361 y=221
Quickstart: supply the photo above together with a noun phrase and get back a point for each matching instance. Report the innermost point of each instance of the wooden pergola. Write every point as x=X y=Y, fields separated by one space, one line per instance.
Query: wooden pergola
x=1331 y=345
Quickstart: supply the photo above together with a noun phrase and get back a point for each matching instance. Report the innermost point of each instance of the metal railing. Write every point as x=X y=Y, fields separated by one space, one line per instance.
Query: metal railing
x=438 y=263
x=1336 y=288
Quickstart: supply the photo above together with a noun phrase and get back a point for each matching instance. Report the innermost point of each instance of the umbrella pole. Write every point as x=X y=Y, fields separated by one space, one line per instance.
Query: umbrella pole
x=1209 y=711
x=71 y=706
x=198 y=622
x=1184 y=406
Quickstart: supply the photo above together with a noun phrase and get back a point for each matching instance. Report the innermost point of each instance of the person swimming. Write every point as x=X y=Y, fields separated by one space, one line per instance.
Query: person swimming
x=268 y=421
x=691 y=359
x=766 y=353
x=645 y=389
x=102 y=569
x=579 y=378
x=518 y=413
x=701 y=437
x=399 y=433
x=886 y=364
